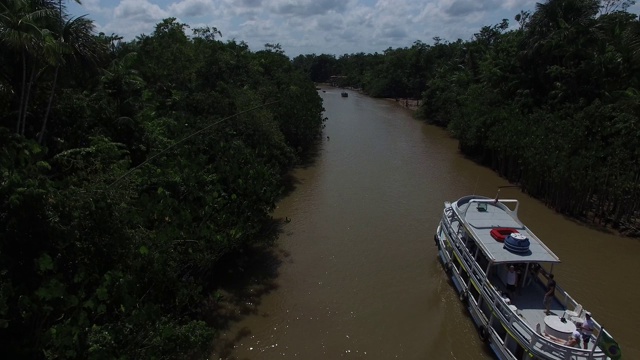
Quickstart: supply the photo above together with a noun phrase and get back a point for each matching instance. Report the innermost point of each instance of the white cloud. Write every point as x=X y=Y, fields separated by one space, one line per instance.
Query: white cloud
x=467 y=7
x=192 y=8
x=92 y=5
x=310 y=26
x=134 y=17
x=307 y=7
x=231 y=8
x=139 y=10
x=517 y=5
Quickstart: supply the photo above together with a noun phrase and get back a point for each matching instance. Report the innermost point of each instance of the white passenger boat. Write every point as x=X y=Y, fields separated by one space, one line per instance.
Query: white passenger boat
x=478 y=239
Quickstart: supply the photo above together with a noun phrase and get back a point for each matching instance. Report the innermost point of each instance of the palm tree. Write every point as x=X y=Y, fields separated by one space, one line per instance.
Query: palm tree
x=560 y=36
x=21 y=32
x=631 y=37
x=36 y=32
x=76 y=45
x=555 y=18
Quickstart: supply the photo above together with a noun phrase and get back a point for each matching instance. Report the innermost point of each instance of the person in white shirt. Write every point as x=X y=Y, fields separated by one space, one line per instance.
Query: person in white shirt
x=586 y=329
x=512 y=281
x=574 y=339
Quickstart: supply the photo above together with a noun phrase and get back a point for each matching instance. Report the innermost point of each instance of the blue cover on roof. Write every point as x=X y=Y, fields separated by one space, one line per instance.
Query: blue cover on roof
x=517 y=243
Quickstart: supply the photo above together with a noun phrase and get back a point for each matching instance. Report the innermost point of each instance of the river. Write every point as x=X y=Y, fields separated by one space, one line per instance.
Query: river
x=357 y=274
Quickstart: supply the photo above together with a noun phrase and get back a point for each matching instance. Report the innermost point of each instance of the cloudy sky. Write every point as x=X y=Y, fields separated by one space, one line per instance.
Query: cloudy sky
x=309 y=26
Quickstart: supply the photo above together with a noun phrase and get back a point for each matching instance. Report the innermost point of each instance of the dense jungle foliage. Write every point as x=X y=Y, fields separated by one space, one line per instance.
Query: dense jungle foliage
x=551 y=105
x=128 y=171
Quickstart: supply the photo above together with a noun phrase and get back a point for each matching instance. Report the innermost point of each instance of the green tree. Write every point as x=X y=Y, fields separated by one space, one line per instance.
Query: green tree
x=22 y=32
x=78 y=47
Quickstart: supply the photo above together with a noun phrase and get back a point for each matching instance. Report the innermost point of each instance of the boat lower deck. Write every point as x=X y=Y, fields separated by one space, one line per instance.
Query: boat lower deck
x=517 y=327
x=527 y=303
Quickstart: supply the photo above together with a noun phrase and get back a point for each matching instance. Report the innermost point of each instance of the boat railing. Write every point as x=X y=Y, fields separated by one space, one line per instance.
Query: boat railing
x=564 y=298
x=524 y=333
x=447 y=224
x=465 y=200
x=492 y=201
x=454 y=213
x=467 y=257
x=562 y=295
x=570 y=304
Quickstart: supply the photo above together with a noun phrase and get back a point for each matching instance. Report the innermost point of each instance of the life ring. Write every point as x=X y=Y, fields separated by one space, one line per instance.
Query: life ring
x=499 y=234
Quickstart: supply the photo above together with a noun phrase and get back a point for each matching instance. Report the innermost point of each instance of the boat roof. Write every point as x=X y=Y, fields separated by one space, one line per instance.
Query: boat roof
x=480 y=220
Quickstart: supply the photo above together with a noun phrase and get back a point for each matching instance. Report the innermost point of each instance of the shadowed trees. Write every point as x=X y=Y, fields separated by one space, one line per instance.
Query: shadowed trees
x=130 y=174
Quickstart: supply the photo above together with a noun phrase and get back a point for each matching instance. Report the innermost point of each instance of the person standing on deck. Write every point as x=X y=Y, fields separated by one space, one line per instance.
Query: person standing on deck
x=586 y=328
x=548 y=296
x=512 y=281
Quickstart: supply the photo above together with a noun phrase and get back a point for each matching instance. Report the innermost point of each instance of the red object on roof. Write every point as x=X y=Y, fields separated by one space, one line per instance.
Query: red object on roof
x=501 y=233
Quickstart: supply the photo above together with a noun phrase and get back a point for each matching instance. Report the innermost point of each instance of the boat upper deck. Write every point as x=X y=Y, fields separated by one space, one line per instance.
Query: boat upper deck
x=480 y=215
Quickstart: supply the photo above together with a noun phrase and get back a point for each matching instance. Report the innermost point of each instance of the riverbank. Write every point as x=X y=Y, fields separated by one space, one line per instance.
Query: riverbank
x=411 y=104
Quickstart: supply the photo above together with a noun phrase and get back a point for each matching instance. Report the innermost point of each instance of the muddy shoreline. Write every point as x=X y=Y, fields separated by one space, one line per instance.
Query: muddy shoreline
x=411 y=104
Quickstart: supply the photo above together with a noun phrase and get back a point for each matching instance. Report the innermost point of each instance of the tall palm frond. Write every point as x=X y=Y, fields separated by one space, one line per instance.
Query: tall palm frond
x=76 y=44
x=631 y=37
x=21 y=33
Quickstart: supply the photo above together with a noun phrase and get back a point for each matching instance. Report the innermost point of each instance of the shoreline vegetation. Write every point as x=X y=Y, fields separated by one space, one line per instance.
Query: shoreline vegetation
x=137 y=183
x=410 y=104
x=543 y=104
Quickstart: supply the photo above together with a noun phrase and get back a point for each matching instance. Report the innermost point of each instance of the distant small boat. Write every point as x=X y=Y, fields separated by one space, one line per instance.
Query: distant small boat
x=344 y=94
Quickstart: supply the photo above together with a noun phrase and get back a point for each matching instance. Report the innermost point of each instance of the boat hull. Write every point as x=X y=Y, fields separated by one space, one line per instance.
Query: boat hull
x=447 y=260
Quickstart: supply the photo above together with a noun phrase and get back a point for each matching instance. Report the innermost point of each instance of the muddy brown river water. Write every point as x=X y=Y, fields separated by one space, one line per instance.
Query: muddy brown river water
x=358 y=276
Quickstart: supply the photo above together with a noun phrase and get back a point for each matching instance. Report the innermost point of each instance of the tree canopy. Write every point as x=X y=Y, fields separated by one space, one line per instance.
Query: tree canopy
x=128 y=172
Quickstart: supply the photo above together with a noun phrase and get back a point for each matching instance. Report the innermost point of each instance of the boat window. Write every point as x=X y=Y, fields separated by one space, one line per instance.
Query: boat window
x=465 y=276
x=474 y=293
x=482 y=261
x=497 y=326
x=519 y=353
x=482 y=207
x=471 y=245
